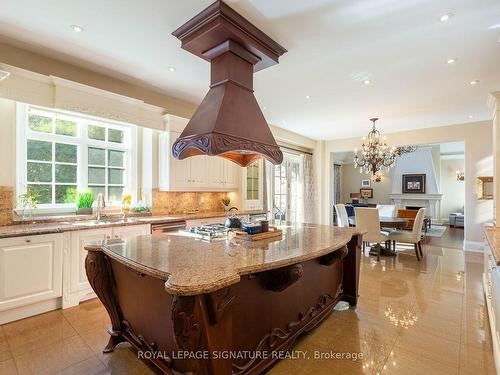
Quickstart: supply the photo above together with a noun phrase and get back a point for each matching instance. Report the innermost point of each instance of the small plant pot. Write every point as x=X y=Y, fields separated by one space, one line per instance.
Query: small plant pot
x=84 y=211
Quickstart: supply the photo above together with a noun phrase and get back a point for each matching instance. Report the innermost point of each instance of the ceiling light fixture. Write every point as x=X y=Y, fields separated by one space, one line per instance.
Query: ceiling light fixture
x=171 y=68
x=376 y=156
x=470 y=116
x=367 y=81
x=474 y=82
x=445 y=17
x=308 y=97
x=453 y=60
x=4 y=75
x=76 y=28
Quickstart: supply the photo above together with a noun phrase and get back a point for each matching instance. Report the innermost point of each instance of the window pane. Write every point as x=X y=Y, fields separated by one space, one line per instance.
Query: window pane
x=115 y=135
x=44 y=193
x=115 y=176
x=97 y=190
x=66 y=153
x=65 y=193
x=97 y=156
x=115 y=158
x=65 y=173
x=66 y=127
x=97 y=132
x=97 y=175
x=40 y=123
x=115 y=193
x=39 y=150
x=39 y=172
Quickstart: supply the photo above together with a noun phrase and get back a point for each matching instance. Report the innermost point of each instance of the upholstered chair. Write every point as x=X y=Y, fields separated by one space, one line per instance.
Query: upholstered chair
x=414 y=236
x=342 y=218
x=368 y=221
x=386 y=210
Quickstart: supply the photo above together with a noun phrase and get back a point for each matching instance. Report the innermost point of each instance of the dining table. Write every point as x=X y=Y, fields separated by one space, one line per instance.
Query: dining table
x=385 y=222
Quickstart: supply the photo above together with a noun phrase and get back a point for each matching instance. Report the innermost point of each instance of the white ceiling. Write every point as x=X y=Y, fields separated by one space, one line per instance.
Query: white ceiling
x=400 y=45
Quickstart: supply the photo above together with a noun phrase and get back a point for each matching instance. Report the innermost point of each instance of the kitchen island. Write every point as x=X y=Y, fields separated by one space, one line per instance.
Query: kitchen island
x=227 y=306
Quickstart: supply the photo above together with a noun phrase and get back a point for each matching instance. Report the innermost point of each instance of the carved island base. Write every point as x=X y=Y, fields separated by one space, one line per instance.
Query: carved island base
x=264 y=313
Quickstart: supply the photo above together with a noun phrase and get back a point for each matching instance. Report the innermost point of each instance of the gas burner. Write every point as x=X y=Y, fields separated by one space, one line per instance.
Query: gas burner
x=210 y=231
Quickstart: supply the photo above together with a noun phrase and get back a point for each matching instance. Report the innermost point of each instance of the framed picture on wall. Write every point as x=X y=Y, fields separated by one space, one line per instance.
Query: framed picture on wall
x=414 y=183
x=365 y=183
x=366 y=193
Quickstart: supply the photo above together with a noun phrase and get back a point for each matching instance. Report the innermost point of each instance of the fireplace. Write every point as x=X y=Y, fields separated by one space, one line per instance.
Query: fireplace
x=414 y=208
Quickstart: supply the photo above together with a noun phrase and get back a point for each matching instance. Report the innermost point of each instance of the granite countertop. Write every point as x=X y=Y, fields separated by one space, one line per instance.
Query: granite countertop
x=193 y=266
x=59 y=224
x=493 y=238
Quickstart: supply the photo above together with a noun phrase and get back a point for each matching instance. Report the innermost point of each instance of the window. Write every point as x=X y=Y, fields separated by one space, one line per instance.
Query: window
x=60 y=153
x=252 y=191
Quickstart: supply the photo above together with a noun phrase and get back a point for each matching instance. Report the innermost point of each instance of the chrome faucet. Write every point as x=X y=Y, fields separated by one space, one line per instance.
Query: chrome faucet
x=100 y=204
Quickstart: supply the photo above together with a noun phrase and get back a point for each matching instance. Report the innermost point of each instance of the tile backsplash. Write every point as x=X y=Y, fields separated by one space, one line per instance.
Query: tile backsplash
x=6 y=204
x=175 y=202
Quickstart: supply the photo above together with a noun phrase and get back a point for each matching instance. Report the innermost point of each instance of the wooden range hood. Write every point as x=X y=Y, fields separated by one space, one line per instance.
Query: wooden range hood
x=228 y=122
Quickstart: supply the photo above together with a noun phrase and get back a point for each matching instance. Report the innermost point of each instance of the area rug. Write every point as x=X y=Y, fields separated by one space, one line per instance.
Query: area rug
x=436 y=231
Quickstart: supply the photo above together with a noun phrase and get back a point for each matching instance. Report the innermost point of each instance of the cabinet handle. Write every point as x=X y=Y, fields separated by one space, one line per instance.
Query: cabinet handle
x=108 y=237
x=116 y=236
x=28 y=241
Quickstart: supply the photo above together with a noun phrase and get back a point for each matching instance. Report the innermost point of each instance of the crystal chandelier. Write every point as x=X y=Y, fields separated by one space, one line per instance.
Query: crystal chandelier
x=376 y=156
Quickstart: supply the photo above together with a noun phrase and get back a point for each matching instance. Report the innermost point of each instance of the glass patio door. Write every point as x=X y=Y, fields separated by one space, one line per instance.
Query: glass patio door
x=287 y=189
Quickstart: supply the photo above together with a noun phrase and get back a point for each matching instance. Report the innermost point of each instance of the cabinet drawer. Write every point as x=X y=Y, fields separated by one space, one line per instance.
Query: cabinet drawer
x=30 y=270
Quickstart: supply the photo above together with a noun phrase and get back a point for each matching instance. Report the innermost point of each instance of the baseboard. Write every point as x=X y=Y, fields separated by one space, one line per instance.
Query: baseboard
x=29 y=310
x=474 y=246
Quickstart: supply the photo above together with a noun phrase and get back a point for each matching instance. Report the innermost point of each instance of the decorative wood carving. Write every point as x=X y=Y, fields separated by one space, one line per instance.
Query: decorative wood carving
x=281 y=278
x=277 y=336
x=218 y=303
x=334 y=257
x=100 y=278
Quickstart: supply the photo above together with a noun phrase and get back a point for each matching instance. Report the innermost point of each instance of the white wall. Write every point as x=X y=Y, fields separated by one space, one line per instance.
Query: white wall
x=7 y=142
x=453 y=190
x=478 y=162
x=351 y=183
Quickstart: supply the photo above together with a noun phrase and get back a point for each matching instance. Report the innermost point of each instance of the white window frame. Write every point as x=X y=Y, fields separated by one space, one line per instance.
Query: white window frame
x=129 y=146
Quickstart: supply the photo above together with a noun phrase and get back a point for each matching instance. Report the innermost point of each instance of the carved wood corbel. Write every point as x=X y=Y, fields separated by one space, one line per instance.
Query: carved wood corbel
x=279 y=279
x=100 y=278
x=334 y=257
x=218 y=303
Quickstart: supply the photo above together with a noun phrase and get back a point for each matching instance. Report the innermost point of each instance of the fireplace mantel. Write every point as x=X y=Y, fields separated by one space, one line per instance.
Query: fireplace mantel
x=432 y=202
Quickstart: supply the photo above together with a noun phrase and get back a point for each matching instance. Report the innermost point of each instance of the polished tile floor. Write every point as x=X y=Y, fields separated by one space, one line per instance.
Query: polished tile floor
x=413 y=317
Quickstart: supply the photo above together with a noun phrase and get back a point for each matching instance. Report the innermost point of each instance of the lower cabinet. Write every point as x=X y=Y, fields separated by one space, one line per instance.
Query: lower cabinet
x=31 y=269
x=77 y=287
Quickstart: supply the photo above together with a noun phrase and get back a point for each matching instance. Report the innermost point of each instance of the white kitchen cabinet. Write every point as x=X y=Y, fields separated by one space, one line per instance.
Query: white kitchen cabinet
x=30 y=271
x=78 y=286
x=130 y=231
x=196 y=173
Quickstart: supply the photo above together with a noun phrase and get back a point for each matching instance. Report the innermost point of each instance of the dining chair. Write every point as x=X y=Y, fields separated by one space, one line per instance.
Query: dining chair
x=386 y=210
x=368 y=222
x=414 y=236
x=342 y=218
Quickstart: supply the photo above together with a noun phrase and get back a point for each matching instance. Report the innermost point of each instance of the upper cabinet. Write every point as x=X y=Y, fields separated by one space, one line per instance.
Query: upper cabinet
x=196 y=173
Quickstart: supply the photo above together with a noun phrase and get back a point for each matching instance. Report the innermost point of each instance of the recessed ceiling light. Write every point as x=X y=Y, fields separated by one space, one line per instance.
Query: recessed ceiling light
x=470 y=116
x=76 y=28
x=445 y=17
x=171 y=68
x=264 y=108
x=308 y=97
x=453 y=60
x=4 y=75
x=475 y=82
x=367 y=81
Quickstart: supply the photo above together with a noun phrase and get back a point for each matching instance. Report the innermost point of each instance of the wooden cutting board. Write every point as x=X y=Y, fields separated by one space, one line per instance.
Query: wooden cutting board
x=272 y=233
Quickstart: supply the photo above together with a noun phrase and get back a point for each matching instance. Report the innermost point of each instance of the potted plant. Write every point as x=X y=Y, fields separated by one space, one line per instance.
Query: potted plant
x=126 y=202
x=28 y=202
x=84 y=202
x=226 y=203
